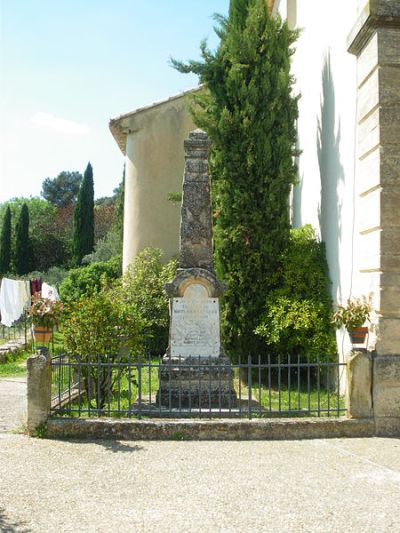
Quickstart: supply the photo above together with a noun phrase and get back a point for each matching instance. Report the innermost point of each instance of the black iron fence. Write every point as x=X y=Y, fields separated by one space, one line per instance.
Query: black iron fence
x=176 y=387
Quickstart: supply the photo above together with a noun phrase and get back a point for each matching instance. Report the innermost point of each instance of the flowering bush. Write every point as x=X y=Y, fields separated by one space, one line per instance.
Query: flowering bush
x=45 y=312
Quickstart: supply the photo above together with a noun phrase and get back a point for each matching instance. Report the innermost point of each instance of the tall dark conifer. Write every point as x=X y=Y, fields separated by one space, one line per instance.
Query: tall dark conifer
x=84 y=218
x=249 y=112
x=5 y=243
x=23 y=245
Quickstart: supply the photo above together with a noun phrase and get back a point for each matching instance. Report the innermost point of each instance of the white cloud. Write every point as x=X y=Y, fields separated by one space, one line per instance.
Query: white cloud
x=58 y=125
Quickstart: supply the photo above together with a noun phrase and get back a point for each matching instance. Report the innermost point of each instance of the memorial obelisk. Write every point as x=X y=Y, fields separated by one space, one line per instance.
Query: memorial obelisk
x=195 y=371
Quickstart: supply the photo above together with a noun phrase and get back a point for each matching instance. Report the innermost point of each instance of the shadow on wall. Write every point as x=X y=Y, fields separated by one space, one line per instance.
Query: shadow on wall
x=332 y=176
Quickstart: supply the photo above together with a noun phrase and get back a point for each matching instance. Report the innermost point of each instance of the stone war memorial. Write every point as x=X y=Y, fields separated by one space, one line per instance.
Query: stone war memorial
x=195 y=370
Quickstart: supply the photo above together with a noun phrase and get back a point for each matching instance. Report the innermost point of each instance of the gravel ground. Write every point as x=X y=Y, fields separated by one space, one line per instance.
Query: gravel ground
x=102 y=486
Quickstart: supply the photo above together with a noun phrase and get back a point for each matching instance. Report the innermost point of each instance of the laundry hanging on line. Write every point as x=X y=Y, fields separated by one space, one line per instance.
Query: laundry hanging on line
x=49 y=292
x=15 y=296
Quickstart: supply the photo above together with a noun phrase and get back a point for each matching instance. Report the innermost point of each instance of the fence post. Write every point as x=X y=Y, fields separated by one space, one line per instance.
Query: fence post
x=359 y=385
x=39 y=389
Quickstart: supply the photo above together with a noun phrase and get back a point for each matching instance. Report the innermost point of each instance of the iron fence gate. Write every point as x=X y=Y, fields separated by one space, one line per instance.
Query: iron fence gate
x=154 y=387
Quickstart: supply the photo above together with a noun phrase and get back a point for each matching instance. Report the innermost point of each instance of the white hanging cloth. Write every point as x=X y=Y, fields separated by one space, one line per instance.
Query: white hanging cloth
x=49 y=292
x=14 y=297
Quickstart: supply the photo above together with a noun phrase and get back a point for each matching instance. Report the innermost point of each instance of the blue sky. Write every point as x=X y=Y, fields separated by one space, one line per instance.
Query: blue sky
x=68 y=66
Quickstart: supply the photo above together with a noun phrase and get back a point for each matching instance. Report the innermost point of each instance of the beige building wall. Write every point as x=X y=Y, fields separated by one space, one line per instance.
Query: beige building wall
x=152 y=140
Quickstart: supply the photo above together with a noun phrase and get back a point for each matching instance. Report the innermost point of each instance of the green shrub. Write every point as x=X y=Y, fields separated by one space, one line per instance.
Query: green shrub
x=106 y=248
x=297 y=316
x=102 y=328
x=89 y=279
x=143 y=286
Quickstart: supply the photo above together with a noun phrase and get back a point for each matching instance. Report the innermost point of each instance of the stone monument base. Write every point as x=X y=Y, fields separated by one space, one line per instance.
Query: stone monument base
x=194 y=382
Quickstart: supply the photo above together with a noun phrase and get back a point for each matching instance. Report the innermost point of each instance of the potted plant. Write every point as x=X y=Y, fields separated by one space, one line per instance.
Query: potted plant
x=353 y=316
x=45 y=314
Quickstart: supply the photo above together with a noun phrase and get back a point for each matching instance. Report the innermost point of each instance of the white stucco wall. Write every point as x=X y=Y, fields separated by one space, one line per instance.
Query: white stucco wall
x=327 y=195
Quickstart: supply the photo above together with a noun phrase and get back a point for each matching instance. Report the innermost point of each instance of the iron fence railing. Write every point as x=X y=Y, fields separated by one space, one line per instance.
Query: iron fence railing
x=155 y=387
x=20 y=330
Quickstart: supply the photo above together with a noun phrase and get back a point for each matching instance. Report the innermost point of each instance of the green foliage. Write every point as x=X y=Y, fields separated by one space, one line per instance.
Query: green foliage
x=15 y=365
x=5 y=243
x=53 y=276
x=119 y=193
x=249 y=112
x=99 y=323
x=83 y=241
x=174 y=197
x=354 y=314
x=49 y=250
x=89 y=279
x=41 y=431
x=102 y=327
x=106 y=248
x=297 y=315
x=49 y=234
x=23 y=245
x=143 y=285
x=62 y=190
x=41 y=213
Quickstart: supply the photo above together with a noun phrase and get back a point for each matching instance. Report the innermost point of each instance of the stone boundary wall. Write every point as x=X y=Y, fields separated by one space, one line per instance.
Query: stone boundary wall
x=271 y=429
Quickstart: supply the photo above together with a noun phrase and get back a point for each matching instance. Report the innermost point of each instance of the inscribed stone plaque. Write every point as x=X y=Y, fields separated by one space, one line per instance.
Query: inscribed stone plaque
x=195 y=324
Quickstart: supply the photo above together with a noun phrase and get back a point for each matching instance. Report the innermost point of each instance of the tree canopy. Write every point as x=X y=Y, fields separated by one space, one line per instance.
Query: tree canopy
x=62 y=190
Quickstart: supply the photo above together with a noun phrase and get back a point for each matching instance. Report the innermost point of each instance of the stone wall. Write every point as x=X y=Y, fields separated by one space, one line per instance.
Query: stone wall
x=375 y=41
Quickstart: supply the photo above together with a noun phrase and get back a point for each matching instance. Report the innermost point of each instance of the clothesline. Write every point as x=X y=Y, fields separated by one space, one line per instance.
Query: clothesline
x=15 y=297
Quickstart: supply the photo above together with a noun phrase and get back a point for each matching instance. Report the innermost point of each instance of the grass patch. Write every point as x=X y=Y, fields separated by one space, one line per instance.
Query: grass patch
x=14 y=368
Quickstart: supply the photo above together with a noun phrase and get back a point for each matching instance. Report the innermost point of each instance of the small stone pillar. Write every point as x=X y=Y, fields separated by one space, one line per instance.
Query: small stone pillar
x=359 y=385
x=39 y=390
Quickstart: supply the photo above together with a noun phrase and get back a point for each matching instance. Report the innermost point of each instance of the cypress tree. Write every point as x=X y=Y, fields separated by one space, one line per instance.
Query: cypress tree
x=5 y=243
x=249 y=112
x=83 y=241
x=23 y=245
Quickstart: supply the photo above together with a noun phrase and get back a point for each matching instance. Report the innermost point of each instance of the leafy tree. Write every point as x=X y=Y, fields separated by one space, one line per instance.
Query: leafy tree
x=5 y=243
x=62 y=190
x=249 y=112
x=83 y=241
x=23 y=244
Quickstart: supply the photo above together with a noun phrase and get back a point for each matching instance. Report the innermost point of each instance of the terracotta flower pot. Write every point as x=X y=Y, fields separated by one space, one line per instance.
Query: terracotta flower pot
x=42 y=334
x=358 y=335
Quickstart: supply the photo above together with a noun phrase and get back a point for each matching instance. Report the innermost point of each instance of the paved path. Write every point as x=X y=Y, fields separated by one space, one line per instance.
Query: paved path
x=333 y=485
x=12 y=403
